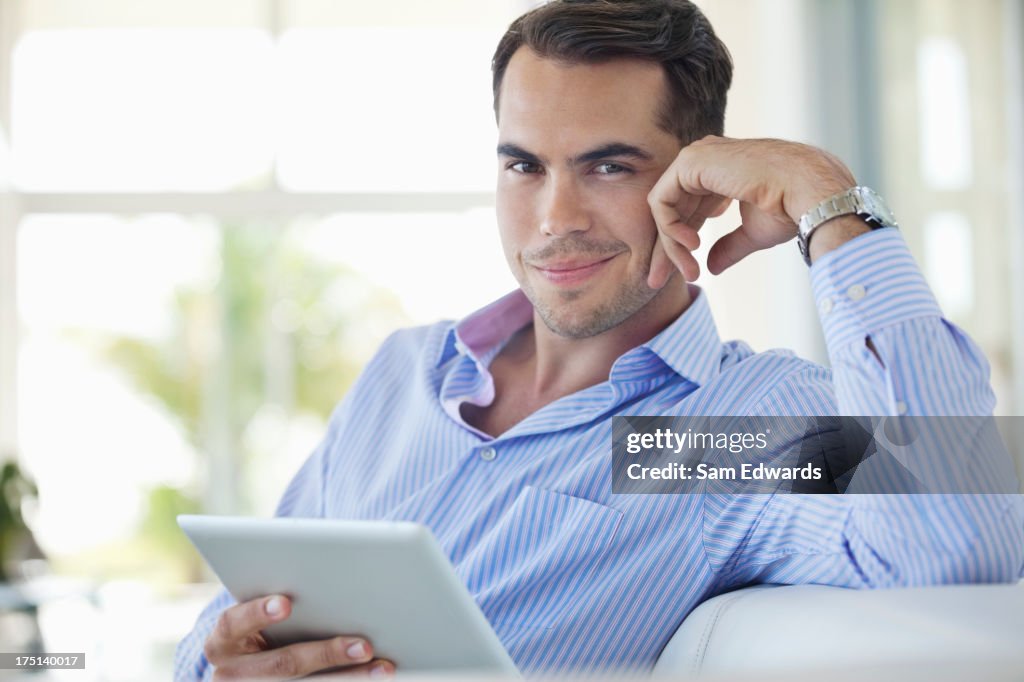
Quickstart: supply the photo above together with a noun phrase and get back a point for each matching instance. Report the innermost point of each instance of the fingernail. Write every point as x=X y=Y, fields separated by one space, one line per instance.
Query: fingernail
x=379 y=670
x=357 y=650
x=275 y=607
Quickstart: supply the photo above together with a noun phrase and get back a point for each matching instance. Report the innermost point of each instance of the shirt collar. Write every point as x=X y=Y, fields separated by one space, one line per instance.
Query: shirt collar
x=690 y=346
x=488 y=327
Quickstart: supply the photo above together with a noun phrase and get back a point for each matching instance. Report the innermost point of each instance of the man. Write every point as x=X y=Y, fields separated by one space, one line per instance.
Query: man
x=495 y=431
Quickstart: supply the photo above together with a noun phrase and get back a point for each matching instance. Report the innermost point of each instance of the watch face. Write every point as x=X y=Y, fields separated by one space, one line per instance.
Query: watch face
x=877 y=208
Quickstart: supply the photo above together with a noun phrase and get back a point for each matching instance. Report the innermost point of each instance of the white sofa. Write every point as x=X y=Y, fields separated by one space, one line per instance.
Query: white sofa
x=809 y=631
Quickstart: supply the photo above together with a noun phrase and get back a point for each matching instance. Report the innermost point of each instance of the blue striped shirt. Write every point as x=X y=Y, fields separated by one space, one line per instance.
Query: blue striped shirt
x=574 y=577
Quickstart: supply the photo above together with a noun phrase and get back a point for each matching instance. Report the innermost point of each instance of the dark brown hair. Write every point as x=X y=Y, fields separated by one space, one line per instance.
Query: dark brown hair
x=673 y=33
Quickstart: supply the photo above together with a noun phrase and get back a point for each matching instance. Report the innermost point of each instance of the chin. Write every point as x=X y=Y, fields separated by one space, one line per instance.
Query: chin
x=576 y=329
x=586 y=321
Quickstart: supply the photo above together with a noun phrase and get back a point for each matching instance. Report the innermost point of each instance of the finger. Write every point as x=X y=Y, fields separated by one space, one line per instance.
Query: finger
x=661 y=266
x=680 y=213
x=674 y=189
x=666 y=193
x=714 y=205
x=684 y=234
x=669 y=221
x=670 y=231
x=682 y=259
x=381 y=667
x=729 y=250
x=667 y=217
x=709 y=206
x=238 y=628
x=685 y=182
x=724 y=167
x=299 y=660
x=378 y=667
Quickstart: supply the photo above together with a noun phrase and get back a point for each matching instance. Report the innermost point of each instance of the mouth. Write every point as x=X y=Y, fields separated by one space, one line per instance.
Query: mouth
x=573 y=271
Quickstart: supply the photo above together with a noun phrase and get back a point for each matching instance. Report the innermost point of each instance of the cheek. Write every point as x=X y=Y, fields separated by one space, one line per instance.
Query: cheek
x=515 y=199
x=627 y=213
x=512 y=218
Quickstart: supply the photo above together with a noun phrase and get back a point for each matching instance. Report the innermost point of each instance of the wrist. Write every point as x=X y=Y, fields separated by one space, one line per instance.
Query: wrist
x=839 y=219
x=815 y=197
x=833 y=234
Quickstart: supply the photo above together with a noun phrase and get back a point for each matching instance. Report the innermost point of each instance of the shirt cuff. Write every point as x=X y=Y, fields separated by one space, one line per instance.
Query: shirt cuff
x=867 y=284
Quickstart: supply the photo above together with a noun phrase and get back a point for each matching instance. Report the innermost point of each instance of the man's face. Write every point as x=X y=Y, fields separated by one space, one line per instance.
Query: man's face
x=579 y=149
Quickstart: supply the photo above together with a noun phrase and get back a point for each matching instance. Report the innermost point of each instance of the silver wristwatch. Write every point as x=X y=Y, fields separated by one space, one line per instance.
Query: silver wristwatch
x=862 y=201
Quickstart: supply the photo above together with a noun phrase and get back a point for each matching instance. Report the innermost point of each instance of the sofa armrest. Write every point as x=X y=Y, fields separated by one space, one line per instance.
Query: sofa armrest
x=767 y=629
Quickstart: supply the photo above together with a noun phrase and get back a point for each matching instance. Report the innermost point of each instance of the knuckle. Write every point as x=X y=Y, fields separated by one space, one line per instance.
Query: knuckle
x=252 y=643
x=222 y=630
x=284 y=664
x=332 y=652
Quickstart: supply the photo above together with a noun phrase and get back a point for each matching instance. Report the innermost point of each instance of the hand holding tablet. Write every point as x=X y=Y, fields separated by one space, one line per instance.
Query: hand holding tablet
x=385 y=585
x=237 y=649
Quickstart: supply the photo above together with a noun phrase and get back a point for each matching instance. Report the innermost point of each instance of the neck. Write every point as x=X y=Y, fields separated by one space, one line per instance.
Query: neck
x=562 y=365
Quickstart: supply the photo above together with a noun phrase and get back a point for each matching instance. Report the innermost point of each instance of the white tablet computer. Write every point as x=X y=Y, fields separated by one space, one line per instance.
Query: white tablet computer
x=385 y=580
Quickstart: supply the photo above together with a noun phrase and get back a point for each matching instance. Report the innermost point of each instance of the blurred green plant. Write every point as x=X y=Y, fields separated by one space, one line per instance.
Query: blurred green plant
x=279 y=327
x=161 y=533
x=15 y=490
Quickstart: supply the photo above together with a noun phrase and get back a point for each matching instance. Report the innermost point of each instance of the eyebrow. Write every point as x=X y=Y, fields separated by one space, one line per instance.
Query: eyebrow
x=612 y=149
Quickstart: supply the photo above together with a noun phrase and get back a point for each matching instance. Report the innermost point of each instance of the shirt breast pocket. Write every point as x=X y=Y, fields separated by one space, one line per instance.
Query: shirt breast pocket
x=539 y=558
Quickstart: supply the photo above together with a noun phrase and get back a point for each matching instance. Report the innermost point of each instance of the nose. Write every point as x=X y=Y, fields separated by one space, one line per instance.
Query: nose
x=563 y=210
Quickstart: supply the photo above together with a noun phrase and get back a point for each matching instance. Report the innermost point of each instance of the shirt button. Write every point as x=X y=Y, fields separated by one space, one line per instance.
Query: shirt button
x=826 y=305
x=901 y=407
x=856 y=292
x=487 y=454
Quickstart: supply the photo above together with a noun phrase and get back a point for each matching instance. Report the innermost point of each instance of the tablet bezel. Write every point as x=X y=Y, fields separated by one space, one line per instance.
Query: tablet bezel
x=338 y=574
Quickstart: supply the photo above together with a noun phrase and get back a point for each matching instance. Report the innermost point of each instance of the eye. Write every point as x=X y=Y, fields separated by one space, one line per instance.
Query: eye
x=610 y=168
x=526 y=167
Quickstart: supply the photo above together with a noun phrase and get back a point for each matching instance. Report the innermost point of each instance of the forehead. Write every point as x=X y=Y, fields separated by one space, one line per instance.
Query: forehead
x=539 y=94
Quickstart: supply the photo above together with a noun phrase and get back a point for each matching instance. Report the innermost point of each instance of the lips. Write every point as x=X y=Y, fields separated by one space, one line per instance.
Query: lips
x=572 y=271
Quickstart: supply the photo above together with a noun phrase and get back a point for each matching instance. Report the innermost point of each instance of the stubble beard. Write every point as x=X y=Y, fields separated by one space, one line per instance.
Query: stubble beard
x=559 y=313
x=584 y=324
